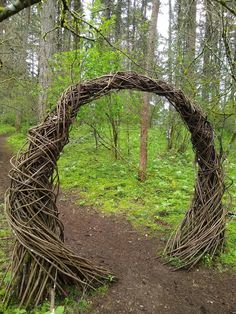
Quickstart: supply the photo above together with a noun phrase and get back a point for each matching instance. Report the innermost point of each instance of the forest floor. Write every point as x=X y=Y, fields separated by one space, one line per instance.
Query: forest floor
x=145 y=285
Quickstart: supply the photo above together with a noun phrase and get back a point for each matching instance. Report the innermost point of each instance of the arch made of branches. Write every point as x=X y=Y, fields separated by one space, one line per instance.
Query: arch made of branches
x=40 y=258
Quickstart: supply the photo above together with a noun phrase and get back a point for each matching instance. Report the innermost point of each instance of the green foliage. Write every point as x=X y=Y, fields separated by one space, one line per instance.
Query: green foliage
x=59 y=310
x=82 y=64
x=84 y=305
x=102 y=290
x=175 y=262
x=207 y=260
x=69 y=305
x=5 y=239
x=228 y=257
x=17 y=140
x=6 y=129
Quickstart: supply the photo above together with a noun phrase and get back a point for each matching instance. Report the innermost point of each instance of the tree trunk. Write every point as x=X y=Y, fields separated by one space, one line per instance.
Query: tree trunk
x=206 y=57
x=145 y=111
x=185 y=76
x=190 y=47
x=171 y=112
x=47 y=49
x=77 y=5
x=114 y=120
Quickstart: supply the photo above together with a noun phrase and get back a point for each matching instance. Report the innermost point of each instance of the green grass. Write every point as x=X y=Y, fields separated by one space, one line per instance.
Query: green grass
x=5 y=239
x=69 y=306
x=17 y=140
x=6 y=129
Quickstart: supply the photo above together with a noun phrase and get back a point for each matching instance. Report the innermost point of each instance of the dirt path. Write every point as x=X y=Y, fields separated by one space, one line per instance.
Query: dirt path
x=145 y=285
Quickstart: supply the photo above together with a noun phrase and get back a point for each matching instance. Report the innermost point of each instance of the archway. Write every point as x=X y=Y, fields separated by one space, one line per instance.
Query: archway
x=41 y=259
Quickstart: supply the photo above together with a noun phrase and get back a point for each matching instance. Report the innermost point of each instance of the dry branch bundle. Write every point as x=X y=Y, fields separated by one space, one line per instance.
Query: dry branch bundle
x=40 y=258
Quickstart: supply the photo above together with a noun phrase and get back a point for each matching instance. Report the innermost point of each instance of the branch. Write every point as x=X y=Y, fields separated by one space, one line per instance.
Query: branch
x=228 y=52
x=230 y=144
x=76 y=16
x=16 y=7
x=11 y=107
x=225 y=5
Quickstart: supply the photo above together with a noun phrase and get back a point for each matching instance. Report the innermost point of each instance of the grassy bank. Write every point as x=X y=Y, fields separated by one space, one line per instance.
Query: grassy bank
x=6 y=129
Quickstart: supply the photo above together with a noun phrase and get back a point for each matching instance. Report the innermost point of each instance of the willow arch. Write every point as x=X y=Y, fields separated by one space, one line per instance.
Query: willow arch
x=41 y=259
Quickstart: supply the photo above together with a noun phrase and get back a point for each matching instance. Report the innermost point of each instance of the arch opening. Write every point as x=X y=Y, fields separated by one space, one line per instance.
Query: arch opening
x=41 y=257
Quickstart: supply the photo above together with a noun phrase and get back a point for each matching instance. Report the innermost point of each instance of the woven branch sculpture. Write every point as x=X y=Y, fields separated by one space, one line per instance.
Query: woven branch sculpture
x=40 y=258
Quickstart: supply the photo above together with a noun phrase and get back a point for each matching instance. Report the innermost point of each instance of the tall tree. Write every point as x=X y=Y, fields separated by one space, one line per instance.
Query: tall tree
x=190 y=46
x=145 y=110
x=77 y=6
x=171 y=112
x=208 y=33
x=47 y=49
x=23 y=67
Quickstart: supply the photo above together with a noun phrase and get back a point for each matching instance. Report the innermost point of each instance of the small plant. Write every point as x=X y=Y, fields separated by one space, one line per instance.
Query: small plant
x=207 y=260
x=6 y=129
x=111 y=278
x=19 y=311
x=175 y=262
x=103 y=289
x=84 y=305
x=59 y=310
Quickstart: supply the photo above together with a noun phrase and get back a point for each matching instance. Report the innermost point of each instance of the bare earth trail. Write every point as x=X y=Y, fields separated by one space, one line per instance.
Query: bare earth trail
x=145 y=285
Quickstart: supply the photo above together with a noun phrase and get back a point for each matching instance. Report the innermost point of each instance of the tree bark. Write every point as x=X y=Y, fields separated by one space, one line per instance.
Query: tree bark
x=47 y=49
x=171 y=112
x=145 y=111
x=16 y=7
x=190 y=47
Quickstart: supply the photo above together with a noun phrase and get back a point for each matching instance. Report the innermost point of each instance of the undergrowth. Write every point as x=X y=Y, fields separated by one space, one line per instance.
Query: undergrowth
x=6 y=129
x=112 y=186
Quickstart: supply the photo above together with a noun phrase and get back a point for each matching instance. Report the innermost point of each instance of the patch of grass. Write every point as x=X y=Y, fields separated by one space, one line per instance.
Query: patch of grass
x=207 y=260
x=5 y=239
x=102 y=290
x=228 y=257
x=75 y=302
x=175 y=262
x=16 y=141
x=6 y=129
x=80 y=304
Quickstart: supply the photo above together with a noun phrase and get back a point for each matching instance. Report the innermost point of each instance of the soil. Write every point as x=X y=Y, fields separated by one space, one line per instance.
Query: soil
x=145 y=285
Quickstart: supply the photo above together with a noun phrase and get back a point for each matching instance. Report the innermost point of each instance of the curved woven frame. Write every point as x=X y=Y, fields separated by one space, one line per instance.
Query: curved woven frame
x=40 y=258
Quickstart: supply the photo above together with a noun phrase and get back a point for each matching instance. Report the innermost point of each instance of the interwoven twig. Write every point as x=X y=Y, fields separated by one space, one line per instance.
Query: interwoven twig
x=40 y=258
